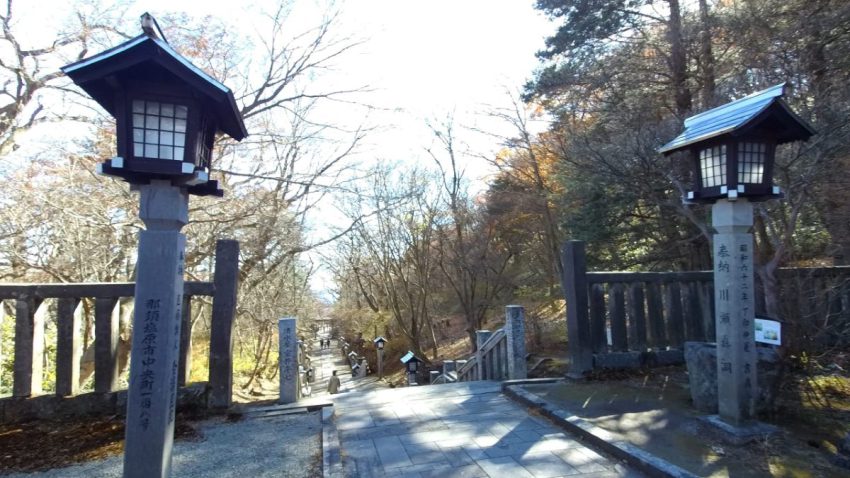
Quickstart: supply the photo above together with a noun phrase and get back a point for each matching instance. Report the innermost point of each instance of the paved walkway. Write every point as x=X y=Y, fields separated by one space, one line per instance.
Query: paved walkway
x=457 y=430
x=325 y=361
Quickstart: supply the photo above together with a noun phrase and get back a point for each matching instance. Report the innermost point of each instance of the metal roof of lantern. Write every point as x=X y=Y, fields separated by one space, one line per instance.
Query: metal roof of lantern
x=379 y=339
x=741 y=115
x=409 y=357
x=133 y=58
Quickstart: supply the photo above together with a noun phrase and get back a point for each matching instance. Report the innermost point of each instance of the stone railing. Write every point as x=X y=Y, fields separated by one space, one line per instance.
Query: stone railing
x=32 y=304
x=499 y=355
x=634 y=319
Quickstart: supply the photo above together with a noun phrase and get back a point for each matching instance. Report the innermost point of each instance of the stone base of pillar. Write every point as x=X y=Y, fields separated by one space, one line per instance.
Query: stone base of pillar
x=740 y=435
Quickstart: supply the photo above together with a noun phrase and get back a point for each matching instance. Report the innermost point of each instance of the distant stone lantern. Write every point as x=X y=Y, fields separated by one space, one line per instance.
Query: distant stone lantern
x=379 y=346
x=732 y=151
x=411 y=363
x=732 y=147
x=167 y=113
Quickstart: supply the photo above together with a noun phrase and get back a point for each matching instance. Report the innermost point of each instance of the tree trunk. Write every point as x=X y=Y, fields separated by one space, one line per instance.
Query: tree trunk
x=706 y=56
x=678 y=61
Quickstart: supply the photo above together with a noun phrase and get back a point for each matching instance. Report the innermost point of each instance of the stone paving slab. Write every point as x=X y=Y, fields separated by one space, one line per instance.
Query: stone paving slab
x=467 y=430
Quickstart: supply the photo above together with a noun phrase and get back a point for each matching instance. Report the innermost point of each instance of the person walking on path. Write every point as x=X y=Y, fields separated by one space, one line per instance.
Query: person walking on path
x=333 y=384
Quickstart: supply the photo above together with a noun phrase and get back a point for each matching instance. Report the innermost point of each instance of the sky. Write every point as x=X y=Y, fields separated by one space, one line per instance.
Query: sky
x=421 y=61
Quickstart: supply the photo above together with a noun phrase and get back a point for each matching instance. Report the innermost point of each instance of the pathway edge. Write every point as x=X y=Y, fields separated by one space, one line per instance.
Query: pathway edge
x=634 y=456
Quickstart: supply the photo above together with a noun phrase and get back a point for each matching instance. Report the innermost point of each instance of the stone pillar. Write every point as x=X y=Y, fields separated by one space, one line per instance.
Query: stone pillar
x=574 y=284
x=226 y=282
x=735 y=308
x=380 y=364
x=152 y=392
x=288 y=359
x=515 y=334
x=481 y=337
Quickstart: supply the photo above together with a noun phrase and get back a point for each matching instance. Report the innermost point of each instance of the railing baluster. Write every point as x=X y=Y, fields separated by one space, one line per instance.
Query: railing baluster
x=68 y=347
x=106 y=325
x=619 y=333
x=2 y=321
x=184 y=370
x=598 y=339
x=637 y=317
x=29 y=347
x=656 y=315
x=693 y=322
x=673 y=314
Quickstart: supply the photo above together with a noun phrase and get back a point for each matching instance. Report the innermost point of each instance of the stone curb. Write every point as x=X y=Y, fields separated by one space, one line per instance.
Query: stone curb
x=331 y=458
x=623 y=450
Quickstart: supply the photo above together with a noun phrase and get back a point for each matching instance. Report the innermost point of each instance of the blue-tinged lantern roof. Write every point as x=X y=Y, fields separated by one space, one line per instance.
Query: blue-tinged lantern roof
x=408 y=357
x=95 y=75
x=379 y=339
x=741 y=115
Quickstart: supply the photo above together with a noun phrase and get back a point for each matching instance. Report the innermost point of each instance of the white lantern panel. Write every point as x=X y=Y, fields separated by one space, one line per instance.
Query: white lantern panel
x=154 y=125
x=712 y=164
x=751 y=162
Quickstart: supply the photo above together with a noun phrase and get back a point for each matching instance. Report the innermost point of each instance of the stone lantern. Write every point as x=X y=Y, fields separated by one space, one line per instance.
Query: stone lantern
x=379 y=346
x=732 y=151
x=167 y=113
x=411 y=363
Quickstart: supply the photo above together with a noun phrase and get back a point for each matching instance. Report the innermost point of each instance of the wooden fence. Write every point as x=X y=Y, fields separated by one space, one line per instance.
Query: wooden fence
x=31 y=303
x=632 y=319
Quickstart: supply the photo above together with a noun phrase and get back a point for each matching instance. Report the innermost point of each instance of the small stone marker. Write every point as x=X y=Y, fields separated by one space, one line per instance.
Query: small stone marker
x=735 y=308
x=515 y=333
x=288 y=360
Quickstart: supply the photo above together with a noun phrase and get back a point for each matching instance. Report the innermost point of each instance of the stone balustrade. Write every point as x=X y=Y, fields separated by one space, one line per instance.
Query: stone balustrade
x=32 y=305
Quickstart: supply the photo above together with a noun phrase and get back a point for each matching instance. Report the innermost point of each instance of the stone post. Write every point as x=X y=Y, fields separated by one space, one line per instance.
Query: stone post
x=226 y=282
x=481 y=337
x=574 y=284
x=735 y=308
x=288 y=359
x=515 y=335
x=152 y=392
x=380 y=364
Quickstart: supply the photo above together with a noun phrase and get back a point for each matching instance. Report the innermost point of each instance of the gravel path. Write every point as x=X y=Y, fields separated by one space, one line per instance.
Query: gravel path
x=259 y=446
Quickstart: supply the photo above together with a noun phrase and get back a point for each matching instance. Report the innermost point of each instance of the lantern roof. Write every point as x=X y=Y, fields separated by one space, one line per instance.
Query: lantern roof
x=379 y=339
x=149 y=57
x=742 y=115
x=409 y=357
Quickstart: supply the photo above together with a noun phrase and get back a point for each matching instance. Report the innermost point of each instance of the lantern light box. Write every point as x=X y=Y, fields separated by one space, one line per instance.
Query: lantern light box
x=732 y=147
x=167 y=111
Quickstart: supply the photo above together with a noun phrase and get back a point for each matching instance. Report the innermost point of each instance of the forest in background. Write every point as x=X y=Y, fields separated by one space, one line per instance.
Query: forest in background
x=420 y=245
